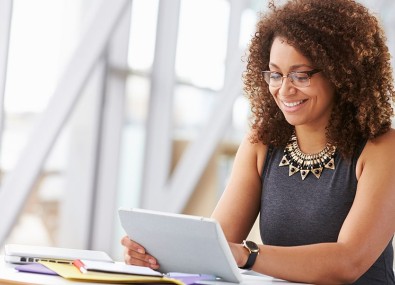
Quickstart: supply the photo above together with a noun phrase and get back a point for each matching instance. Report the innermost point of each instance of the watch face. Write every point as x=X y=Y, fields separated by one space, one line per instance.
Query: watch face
x=252 y=246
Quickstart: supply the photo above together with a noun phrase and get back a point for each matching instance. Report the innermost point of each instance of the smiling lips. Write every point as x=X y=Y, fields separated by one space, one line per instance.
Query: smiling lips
x=293 y=104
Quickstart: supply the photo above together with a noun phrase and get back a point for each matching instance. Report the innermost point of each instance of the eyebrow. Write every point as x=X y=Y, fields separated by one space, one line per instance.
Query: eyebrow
x=295 y=66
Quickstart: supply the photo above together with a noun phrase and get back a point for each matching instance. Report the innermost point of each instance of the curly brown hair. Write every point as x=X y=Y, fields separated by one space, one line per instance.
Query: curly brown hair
x=345 y=41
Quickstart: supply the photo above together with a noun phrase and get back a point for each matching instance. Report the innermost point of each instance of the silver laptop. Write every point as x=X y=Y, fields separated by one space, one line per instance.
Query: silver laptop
x=17 y=253
x=182 y=243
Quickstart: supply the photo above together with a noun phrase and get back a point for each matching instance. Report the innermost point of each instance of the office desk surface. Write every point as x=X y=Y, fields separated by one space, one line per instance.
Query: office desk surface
x=8 y=275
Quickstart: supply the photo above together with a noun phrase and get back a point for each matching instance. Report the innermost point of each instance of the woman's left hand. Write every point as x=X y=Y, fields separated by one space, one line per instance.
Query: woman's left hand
x=239 y=253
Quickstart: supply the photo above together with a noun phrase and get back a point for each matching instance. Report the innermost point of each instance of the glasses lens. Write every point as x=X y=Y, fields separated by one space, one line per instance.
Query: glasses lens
x=274 y=79
x=300 y=79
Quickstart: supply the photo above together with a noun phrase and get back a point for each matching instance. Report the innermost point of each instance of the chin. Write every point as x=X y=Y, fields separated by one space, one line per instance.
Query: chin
x=294 y=121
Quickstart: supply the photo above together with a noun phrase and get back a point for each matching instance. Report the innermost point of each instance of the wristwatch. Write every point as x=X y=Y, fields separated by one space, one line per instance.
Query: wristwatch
x=253 y=250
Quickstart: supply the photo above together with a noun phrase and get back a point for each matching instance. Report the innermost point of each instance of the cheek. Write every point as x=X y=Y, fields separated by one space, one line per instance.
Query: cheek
x=327 y=92
x=273 y=92
x=327 y=96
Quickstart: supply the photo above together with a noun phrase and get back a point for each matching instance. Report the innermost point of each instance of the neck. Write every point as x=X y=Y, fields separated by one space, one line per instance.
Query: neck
x=311 y=141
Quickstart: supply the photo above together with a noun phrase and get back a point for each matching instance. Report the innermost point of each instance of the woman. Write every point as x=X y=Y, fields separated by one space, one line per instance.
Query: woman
x=318 y=164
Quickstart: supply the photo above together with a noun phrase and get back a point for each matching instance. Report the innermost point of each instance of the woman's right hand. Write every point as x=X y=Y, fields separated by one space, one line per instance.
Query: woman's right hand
x=135 y=254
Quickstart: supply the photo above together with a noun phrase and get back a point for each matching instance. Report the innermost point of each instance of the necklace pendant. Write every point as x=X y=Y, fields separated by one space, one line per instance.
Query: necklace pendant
x=317 y=172
x=292 y=170
x=330 y=164
x=284 y=161
x=304 y=173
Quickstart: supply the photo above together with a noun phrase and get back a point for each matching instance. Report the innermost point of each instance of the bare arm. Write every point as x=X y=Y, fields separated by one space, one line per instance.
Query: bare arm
x=239 y=205
x=364 y=235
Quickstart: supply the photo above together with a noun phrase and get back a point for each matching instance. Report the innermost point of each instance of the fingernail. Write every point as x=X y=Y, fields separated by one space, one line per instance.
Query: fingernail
x=152 y=261
x=140 y=250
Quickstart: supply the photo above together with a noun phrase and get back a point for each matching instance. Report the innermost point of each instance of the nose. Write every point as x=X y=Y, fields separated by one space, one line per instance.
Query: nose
x=287 y=88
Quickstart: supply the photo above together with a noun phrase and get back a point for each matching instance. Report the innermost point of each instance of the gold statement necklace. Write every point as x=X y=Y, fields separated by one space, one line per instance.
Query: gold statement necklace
x=306 y=163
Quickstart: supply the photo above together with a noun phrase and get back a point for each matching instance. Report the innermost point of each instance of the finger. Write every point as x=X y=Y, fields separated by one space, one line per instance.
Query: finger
x=135 y=258
x=139 y=257
x=130 y=244
x=135 y=254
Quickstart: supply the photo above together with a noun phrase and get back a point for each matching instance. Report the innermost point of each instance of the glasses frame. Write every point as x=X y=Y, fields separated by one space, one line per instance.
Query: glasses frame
x=309 y=73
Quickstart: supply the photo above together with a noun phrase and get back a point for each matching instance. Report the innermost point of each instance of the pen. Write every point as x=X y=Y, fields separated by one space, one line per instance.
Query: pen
x=81 y=266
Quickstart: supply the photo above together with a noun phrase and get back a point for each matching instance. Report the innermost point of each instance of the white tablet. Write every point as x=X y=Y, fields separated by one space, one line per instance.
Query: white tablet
x=182 y=243
x=17 y=253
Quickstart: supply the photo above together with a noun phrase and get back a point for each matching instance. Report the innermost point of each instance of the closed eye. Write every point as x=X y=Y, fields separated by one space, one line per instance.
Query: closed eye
x=275 y=75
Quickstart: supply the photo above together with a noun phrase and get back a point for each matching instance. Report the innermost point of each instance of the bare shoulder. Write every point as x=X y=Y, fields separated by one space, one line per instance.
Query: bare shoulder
x=256 y=149
x=382 y=144
x=379 y=152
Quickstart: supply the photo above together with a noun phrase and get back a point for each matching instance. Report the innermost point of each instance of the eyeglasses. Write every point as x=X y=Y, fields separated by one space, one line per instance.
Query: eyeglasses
x=298 y=78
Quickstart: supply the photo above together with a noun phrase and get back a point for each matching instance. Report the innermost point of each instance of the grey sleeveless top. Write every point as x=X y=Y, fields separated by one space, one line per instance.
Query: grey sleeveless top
x=300 y=212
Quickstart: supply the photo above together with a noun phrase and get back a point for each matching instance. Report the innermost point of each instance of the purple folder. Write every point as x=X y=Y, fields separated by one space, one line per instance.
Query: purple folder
x=35 y=268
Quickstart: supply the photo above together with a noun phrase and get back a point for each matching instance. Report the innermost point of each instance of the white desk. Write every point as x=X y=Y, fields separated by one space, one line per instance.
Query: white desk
x=8 y=275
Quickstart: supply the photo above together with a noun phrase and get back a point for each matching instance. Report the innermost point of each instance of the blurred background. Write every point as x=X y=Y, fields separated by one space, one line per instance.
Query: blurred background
x=134 y=103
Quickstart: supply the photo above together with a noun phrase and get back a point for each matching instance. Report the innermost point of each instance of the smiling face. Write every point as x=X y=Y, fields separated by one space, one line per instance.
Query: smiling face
x=302 y=106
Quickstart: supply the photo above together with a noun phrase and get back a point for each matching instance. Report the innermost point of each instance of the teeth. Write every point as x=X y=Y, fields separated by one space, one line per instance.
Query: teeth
x=293 y=104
